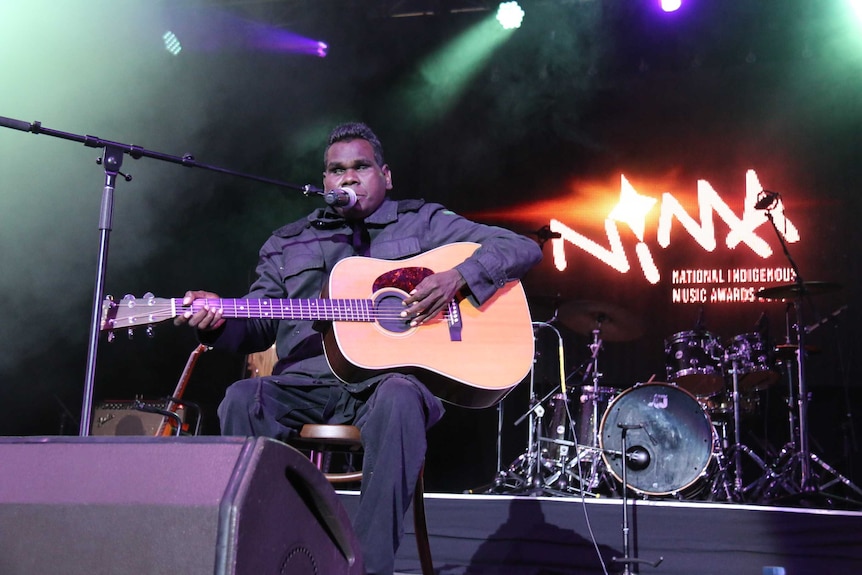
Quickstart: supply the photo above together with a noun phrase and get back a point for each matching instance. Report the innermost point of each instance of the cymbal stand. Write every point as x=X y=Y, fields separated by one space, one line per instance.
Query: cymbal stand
x=792 y=420
x=803 y=456
x=588 y=448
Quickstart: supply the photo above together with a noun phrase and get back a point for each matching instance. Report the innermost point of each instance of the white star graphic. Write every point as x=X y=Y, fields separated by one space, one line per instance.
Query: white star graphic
x=632 y=208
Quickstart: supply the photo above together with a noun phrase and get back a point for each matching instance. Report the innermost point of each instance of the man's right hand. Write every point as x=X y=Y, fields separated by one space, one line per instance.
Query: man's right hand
x=206 y=319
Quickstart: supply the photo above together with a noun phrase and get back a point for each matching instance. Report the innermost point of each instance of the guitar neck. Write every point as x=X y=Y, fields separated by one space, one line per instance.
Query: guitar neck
x=307 y=309
x=164 y=426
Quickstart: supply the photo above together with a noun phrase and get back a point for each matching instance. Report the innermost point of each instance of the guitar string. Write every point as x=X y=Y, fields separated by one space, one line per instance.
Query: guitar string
x=334 y=309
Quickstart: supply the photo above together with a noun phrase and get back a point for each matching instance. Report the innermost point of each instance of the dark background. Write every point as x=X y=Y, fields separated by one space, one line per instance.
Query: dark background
x=584 y=92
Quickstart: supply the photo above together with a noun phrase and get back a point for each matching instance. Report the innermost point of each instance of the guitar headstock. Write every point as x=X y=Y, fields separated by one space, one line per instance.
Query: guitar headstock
x=131 y=312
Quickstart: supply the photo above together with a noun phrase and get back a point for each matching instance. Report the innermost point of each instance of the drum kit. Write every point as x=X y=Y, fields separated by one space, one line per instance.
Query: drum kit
x=679 y=438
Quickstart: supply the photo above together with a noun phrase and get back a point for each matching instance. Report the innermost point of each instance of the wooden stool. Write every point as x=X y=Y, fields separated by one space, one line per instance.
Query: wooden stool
x=320 y=440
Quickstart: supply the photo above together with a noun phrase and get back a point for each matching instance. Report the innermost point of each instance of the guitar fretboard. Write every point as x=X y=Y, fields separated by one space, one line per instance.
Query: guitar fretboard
x=308 y=309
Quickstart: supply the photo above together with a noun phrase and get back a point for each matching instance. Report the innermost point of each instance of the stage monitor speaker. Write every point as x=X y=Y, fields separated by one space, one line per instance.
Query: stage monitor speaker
x=104 y=505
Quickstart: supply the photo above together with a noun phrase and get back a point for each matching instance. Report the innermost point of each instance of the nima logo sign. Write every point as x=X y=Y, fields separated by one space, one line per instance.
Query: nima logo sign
x=632 y=209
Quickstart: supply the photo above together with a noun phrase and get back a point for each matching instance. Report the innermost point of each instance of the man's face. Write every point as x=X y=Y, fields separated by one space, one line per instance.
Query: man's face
x=351 y=164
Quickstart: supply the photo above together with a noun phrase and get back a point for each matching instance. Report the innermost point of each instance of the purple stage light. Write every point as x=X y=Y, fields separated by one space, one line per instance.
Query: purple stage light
x=271 y=39
x=670 y=5
x=213 y=30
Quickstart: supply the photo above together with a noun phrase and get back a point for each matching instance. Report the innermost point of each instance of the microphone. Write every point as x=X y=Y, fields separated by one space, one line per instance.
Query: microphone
x=766 y=199
x=340 y=198
x=637 y=458
x=544 y=233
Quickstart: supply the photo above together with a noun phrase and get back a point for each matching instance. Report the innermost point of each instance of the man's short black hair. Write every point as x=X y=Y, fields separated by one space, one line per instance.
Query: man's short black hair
x=356 y=131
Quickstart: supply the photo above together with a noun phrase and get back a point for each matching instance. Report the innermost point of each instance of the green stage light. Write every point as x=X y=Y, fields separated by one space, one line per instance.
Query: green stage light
x=442 y=76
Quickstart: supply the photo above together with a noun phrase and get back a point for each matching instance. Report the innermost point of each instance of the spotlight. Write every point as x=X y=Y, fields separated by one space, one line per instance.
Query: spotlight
x=172 y=43
x=671 y=5
x=510 y=15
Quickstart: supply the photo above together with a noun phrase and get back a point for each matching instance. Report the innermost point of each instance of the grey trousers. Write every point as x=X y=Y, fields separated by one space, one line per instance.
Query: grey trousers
x=393 y=417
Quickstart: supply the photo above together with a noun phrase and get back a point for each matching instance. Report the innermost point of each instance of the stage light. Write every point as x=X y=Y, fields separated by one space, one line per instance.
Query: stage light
x=510 y=15
x=172 y=43
x=671 y=5
x=443 y=75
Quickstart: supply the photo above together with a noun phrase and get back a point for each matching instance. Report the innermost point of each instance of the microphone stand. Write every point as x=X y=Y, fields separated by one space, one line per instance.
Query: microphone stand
x=112 y=160
x=627 y=560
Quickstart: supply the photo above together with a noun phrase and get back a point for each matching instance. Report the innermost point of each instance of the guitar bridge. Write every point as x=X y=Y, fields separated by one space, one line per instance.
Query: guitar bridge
x=453 y=317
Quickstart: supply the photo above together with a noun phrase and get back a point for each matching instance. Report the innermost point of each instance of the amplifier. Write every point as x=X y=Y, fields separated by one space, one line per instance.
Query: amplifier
x=125 y=418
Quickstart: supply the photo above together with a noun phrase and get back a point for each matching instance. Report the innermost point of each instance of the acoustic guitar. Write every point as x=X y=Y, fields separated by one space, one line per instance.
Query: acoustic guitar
x=470 y=355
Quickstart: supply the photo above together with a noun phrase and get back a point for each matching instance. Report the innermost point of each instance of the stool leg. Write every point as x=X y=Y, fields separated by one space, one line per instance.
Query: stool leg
x=420 y=527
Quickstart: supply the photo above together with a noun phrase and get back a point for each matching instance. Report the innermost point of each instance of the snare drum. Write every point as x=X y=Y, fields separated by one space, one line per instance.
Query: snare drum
x=753 y=361
x=720 y=406
x=693 y=361
x=675 y=437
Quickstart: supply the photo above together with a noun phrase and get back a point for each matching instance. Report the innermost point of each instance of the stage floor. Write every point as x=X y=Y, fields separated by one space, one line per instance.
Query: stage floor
x=522 y=535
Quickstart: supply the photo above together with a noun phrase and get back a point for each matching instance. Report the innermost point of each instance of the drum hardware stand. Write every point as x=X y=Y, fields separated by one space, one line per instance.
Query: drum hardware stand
x=628 y=561
x=592 y=452
x=534 y=471
x=738 y=448
x=802 y=456
x=525 y=474
x=782 y=476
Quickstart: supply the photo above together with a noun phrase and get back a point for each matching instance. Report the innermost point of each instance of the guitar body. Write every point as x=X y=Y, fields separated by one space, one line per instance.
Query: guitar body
x=490 y=355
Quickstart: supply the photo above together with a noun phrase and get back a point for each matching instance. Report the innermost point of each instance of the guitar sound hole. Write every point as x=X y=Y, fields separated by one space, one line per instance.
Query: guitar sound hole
x=389 y=308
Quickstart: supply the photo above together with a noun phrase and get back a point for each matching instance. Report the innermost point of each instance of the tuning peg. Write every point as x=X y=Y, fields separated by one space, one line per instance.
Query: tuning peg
x=131 y=333
x=150 y=331
x=111 y=336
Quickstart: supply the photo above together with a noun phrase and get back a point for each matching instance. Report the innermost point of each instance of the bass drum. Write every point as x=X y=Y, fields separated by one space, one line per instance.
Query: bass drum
x=671 y=448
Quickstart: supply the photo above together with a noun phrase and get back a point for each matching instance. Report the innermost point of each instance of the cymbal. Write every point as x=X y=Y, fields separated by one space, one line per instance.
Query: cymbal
x=614 y=322
x=790 y=291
